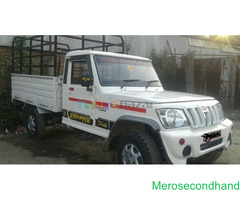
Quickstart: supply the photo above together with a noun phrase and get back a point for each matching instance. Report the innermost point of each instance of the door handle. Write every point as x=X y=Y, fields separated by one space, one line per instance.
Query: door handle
x=71 y=89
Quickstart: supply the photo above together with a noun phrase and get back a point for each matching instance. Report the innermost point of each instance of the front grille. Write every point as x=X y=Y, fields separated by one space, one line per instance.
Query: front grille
x=203 y=116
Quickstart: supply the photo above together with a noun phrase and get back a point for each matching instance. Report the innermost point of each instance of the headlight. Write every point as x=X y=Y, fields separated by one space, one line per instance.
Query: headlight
x=172 y=118
x=220 y=112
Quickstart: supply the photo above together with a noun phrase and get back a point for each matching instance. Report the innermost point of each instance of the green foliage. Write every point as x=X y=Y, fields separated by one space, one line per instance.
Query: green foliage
x=127 y=47
x=161 y=61
x=8 y=113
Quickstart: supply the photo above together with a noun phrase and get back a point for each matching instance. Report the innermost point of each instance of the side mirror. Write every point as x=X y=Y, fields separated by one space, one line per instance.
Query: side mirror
x=87 y=81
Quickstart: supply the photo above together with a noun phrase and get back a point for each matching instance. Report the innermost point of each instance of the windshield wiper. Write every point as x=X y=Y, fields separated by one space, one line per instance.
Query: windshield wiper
x=128 y=81
x=150 y=82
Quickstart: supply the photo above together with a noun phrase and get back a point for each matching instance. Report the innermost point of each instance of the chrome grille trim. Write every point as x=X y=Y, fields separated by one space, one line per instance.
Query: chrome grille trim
x=213 y=114
x=216 y=113
x=201 y=116
x=206 y=116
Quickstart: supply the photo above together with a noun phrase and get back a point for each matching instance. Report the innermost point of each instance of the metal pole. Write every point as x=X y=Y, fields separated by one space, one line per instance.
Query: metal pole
x=55 y=55
x=30 y=57
x=169 y=48
x=83 y=42
x=50 y=44
x=103 y=48
x=41 y=57
x=21 y=46
x=12 y=57
x=123 y=44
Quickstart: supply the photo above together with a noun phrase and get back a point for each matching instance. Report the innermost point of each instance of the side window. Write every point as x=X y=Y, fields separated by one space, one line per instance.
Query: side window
x=78 y=69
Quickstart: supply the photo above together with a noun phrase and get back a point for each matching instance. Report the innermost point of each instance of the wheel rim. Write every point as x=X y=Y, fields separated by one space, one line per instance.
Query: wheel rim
x=131 y=155
x=31 y=124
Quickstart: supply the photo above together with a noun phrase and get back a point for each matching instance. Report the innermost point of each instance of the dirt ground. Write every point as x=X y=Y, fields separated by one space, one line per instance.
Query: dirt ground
x=63 y=146
x=60 y=146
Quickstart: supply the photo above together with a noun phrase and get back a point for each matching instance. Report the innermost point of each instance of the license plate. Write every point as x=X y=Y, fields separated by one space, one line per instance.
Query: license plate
x=207 y=137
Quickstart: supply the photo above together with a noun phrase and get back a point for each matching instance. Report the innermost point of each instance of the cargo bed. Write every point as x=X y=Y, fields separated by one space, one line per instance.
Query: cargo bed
x=42 y=91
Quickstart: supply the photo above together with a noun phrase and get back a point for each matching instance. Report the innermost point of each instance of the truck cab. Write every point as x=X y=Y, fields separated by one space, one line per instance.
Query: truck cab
x=119 y=97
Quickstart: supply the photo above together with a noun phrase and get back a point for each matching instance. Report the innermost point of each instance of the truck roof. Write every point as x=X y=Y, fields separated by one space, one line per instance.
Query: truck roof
x=83 y=52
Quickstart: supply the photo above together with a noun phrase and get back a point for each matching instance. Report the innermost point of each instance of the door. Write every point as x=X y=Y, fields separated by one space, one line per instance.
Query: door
x=200 y=75
x=78 y=106
x=213 y=77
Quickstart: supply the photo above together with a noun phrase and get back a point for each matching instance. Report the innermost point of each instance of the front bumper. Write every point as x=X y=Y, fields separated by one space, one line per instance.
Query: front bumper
x=194 y=145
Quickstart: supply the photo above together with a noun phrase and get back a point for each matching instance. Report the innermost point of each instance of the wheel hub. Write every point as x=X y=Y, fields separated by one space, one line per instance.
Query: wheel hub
x=31 y=124
x=131 y=155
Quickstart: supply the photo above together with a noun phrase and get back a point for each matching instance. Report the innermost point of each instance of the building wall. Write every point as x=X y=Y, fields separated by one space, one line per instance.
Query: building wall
x=142 y=45
x=5 y=40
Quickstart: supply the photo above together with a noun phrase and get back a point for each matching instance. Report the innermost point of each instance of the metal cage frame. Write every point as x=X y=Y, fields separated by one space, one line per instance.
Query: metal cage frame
x=55 y=49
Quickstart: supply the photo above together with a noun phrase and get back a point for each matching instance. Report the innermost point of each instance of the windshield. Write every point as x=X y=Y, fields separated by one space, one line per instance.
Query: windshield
x=113 y=71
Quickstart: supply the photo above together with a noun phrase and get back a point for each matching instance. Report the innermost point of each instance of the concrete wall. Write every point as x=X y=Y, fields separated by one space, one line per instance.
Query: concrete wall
x=5 y=40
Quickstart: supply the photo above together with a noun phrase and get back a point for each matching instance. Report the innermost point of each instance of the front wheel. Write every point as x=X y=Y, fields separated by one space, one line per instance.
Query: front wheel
x=35 y=124
x=138 y=148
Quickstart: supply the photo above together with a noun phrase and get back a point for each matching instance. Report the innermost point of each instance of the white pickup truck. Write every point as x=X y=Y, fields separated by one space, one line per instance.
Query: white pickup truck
x=120 y=98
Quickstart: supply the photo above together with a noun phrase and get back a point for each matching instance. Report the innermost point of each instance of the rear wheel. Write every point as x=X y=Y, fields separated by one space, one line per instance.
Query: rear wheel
x=138 y=148
x=35 y=124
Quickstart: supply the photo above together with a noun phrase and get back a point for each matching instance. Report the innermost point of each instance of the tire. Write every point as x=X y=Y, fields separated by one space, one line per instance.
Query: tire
x=35 y=124
x=138 y=148
x=210 y=157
